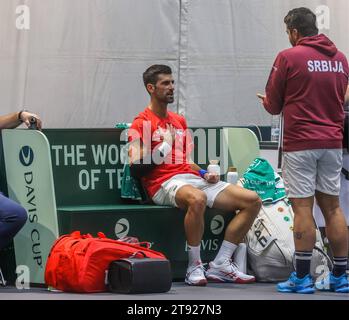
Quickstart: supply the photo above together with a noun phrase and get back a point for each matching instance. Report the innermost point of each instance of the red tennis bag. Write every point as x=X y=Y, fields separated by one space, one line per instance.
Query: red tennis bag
x=78 y=263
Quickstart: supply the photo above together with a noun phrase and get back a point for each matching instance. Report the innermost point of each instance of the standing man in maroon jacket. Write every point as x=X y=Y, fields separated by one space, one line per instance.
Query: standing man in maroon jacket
x=307 y=84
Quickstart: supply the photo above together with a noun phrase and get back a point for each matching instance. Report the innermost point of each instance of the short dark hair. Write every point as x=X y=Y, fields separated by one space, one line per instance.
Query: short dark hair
x=302 y=19
x=151 y=74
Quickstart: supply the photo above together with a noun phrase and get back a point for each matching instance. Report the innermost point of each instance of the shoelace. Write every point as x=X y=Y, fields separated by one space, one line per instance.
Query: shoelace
x=233 y=265
x=199 y=266
x=234 y=268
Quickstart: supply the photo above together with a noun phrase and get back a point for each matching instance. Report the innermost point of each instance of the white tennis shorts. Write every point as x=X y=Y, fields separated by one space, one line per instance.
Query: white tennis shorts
x=309 y=170
x=166 y=195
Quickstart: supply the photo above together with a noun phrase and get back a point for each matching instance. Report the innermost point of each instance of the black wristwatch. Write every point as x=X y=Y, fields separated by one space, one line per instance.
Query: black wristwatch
x=20 y=114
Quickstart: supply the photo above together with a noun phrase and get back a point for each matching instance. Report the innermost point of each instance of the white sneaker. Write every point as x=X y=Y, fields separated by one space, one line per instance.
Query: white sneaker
x=196 y=275
x=227 y=272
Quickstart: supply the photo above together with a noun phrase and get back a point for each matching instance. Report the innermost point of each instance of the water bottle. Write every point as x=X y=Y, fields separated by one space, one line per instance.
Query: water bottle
x=213 y=167
x=232 y=175
x=275 y=128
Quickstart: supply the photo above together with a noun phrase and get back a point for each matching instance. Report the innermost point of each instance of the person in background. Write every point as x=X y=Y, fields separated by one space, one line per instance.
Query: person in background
x=307 y=84
x=345 y=169
x=170 y=178
x=12 y=215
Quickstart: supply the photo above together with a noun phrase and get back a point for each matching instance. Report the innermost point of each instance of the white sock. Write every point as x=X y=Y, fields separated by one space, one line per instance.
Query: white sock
x=193 y=255
x=225 y=252
x=240 y=257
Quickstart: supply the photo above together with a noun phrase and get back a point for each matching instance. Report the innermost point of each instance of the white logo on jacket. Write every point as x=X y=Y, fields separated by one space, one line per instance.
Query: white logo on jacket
x=325 y=66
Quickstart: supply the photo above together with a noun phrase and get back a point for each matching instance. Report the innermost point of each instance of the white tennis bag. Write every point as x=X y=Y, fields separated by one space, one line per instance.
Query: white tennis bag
x=270 y=245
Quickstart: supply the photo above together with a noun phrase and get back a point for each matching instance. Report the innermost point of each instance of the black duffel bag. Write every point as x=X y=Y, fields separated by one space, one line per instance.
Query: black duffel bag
x=139 y=275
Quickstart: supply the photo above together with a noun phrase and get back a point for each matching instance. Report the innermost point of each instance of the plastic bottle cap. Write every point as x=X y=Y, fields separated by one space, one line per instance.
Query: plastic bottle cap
x=232 y=169
x=214 y=161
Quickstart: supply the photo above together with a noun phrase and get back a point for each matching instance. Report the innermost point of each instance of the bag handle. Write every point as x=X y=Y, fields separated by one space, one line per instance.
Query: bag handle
x=87 y=236
x=135 y=241
x=145 y=244
x=138 y=252
x=101 y=235
x=75 y=235
x=78 y=235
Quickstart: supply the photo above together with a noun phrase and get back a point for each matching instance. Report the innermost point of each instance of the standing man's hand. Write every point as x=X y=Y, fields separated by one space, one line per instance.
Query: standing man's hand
x=211 y=177
x=346 y=101
x=26 y=116
x=261 y=96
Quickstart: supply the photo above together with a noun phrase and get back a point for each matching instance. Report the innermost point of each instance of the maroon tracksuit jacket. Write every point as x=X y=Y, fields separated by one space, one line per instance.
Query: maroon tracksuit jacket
x=308 y=84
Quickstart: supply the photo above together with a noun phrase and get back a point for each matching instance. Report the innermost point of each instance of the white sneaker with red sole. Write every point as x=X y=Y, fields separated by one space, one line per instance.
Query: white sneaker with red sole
x=227 y=272
x=196 y=275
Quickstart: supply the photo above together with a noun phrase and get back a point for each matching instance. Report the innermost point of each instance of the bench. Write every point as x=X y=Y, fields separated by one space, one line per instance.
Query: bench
x=69 y=179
